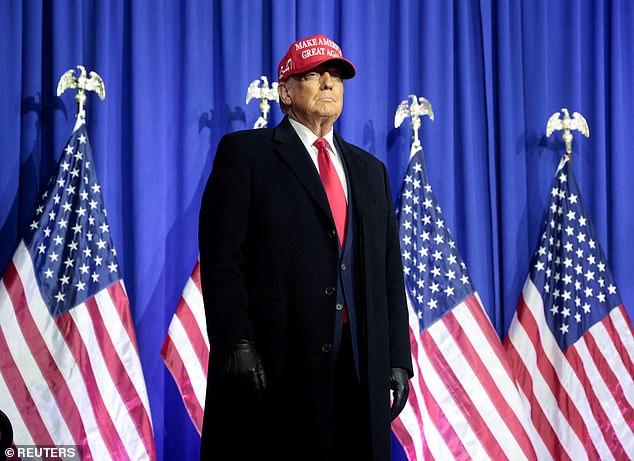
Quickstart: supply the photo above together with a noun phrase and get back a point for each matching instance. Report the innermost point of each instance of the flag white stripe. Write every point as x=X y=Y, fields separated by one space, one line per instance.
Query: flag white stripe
x=410 y=419
x=27 y=366
x=410 y=423
x=502 y=380
x=489 y=356
x=611 y=354
x=541 y=450
x=604 y=398
x=435 y=442
x=605 y=344
x=122 y=344
x=449 y=407
x=472 y=386
x=123 y=423
x=567 y=378
x=61 y=354
x=408 y=416
x=194 y=299
x=542 y=394
x=622 y=324
x=185 y=349
x=21 y=435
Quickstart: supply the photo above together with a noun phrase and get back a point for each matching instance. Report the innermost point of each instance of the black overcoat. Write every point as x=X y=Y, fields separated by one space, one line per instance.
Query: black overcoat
x=268 y=251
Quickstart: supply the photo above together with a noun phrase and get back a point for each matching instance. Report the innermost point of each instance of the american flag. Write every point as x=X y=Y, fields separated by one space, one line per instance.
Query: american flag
x=186 y=349
x=570 y=342
x=463 y=403
x=70 y=372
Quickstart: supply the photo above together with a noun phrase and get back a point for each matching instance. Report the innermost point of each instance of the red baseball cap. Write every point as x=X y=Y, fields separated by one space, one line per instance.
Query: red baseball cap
x=310 y=52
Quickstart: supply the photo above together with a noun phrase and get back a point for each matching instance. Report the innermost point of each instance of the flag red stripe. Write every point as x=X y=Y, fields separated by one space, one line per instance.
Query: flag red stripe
x=119 y=374
x=194 y=334
x=427 y=454
x=185 y=346
x=624 y=356
x=196 y=276
x=626 y=319
x=401 y=432
x=538 y=417
x=413 y=402
x=21 y=396
x=455 y=388
x=42 y=356
x=481 y=370
x=175 y=364
x=607 y=430
x=120 y=301
x=405 y=438
x=611 y=381
x=413 y=341
x=438 y=416
x=141 y=416
x=443 y=426
x=108 y=431
x=485 y=326
x=564 y=401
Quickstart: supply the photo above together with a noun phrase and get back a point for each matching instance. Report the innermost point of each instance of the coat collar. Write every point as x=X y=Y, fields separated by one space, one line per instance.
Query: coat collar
x=292 y=151
x=356 y=171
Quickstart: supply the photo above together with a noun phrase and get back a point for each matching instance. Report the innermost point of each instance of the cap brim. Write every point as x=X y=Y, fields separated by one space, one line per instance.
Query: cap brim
x=347 y=68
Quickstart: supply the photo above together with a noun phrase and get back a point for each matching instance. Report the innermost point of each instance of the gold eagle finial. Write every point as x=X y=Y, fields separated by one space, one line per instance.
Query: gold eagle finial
x=416 y=109
x=265 y=94
x=567 y=124
x=83 y=83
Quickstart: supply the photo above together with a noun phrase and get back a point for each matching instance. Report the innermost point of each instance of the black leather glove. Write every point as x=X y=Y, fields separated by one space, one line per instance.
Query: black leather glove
x=243 y=368
x=400 y=390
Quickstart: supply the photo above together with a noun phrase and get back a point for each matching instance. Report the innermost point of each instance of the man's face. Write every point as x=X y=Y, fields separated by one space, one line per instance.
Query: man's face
x=317 y=94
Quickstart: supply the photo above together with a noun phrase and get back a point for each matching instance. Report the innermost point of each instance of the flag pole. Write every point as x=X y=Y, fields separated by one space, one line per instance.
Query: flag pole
x=567 y=125
x=83 y=84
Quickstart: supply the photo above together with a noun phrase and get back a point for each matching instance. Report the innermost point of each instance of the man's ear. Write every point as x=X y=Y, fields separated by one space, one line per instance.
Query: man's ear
x=285 y=96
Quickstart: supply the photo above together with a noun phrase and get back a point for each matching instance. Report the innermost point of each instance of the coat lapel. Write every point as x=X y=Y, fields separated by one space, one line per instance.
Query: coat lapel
x=357 y=176
x=292 y=151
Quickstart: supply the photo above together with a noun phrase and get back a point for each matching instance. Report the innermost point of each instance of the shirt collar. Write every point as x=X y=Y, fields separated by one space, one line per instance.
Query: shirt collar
x=308 y=137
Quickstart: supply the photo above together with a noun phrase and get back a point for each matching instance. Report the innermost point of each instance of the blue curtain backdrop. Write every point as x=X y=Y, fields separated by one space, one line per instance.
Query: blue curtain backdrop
x=176 y=75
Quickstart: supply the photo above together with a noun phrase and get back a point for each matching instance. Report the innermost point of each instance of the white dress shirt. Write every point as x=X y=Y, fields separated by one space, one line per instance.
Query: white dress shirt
x=308 y=138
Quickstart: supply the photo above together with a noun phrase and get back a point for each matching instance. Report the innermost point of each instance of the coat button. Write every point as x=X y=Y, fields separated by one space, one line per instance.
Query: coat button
x=330 y=290
x=332 y=233
x=326 y=347
x=339 y=307
x=343 y=267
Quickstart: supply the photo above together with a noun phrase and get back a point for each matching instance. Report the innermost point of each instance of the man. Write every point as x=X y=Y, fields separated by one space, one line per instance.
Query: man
x=302 y=282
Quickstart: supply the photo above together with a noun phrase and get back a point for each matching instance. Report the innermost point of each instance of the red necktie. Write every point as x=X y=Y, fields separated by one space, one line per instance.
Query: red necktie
x=334 y=190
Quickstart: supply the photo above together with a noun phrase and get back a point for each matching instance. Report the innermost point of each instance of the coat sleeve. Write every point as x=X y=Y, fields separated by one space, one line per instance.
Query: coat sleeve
x=400 y=352
x=222 y=230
